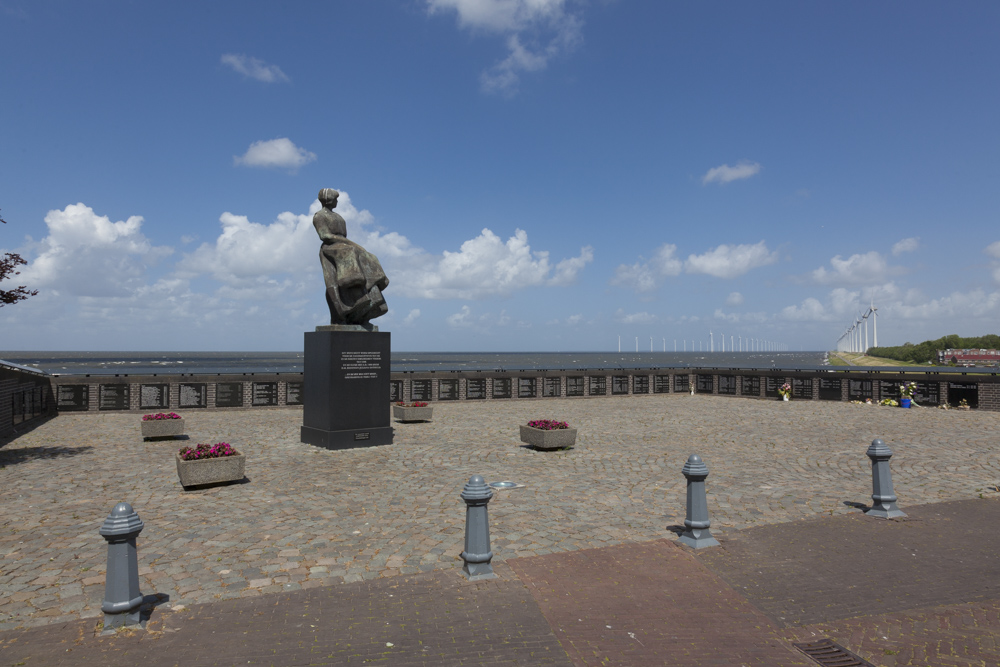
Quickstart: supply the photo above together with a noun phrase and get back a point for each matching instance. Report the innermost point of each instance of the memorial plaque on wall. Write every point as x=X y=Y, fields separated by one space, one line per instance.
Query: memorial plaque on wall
x=525 y=387
x=154 y=396
x=771 y=385
x=551 y=387
x=661 y=384
x=229 y=395
x=619 y=384
x=640 y=384
x=193 y=395
x=927 y=393
x=475 y=388
x=859 y=390
x=727 y=384
x=705 y=384
x=113 y=397
x=265 y=393
x=802 y=388
x=751 y=385
x=420 y=390
x=574 y=386
x=17 y=405
x=598 y=385
x=293 y=393
x=889 y=389
x=829 y=389
x=395 y=391
x=448 y=390
x=682 y=382
x=501 y=387
x=70 y=397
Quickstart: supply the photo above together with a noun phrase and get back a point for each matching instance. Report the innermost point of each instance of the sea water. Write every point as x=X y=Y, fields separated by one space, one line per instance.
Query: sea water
x=144 y=363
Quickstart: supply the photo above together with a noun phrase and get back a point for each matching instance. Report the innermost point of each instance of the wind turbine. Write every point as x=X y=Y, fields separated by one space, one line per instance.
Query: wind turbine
x=874 y=312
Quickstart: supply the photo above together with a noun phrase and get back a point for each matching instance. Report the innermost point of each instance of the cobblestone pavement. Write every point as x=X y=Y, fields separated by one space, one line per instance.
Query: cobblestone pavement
x=309 y=517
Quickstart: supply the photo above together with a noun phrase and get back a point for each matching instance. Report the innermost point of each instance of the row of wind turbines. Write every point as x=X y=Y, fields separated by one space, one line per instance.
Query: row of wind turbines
x=851 y=340
x=736 y=343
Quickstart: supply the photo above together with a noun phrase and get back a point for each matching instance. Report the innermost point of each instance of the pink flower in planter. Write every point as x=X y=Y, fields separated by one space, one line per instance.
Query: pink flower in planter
x=547 y=424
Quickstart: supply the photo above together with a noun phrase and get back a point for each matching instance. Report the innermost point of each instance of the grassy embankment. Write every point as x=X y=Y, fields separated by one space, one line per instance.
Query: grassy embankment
x=858 y=359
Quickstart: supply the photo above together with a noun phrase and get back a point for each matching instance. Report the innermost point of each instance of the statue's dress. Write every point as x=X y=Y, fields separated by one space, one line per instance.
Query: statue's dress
x=353 y=276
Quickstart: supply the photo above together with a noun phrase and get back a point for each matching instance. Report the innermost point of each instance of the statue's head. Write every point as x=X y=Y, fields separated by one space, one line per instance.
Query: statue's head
x=328 y=197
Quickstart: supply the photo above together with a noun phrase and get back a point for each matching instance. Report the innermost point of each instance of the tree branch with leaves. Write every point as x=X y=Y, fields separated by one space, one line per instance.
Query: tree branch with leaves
x=8 y=263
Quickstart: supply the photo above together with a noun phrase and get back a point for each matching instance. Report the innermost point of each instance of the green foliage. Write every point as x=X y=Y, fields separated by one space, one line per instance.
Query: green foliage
x=927 y=351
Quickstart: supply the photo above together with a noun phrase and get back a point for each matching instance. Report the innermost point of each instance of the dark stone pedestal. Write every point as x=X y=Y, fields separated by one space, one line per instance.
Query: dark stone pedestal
x=346 y=389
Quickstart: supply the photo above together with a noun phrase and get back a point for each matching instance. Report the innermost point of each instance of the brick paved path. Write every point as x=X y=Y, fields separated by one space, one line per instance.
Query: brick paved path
x=430 y=618
x=649 y=603
x=311 y=517
x=645 y=603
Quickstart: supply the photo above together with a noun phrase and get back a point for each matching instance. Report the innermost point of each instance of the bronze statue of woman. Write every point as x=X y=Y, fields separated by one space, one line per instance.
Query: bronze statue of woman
x=353 y=276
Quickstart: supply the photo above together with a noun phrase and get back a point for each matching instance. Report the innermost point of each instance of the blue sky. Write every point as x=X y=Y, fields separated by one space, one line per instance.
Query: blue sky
x=533 y=174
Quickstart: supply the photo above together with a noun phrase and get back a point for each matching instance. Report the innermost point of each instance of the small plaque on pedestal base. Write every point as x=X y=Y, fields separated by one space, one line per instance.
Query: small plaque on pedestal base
x=346 y=389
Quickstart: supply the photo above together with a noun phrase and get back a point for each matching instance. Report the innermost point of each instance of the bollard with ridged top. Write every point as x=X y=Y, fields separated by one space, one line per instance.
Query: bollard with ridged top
x=697 y=523
x=883 y=496
x=122 y=598
x=477 y=554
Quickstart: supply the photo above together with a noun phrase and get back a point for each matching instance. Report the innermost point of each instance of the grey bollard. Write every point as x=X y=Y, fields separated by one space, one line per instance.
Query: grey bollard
x=122 y=598
x=477 y=554
x=697 y=535
x=884 y=497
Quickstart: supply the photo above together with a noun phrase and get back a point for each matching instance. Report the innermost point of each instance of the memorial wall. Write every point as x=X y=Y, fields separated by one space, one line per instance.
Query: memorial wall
x=117 y=393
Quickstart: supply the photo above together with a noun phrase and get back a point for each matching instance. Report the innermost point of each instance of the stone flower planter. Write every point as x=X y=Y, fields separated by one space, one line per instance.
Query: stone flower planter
x=405 y=414
x=558 y=438
x=210 y=471
x=162 y=428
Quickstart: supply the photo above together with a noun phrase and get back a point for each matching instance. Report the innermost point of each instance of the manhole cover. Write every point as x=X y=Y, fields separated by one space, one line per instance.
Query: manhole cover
x=505 y=485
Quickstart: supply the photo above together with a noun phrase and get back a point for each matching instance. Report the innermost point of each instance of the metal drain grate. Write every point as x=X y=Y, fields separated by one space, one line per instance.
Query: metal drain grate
x=829 y=654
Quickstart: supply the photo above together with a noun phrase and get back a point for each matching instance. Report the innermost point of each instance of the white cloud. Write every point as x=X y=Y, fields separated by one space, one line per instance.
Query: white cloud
x=730 y=261
x=86 y=254
x=259 y=279
x=993 y=250
x=487 y=322
x=254 y=68
x=646 y=276
x=734 y=299
x=536 y=31
x=725 y=174
x=865 y=269
x=954 y=307
x=279 y=152
x=906 y=245
x=634 y=318
x=841 y=305
x=483 y=266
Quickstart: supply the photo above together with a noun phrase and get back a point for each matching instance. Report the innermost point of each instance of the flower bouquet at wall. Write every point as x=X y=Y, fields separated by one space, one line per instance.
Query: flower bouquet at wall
x=906 y=392
x=162 y=425
x=416 y=411
x=786 y=391
x=209 y=464
x=548 y=434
